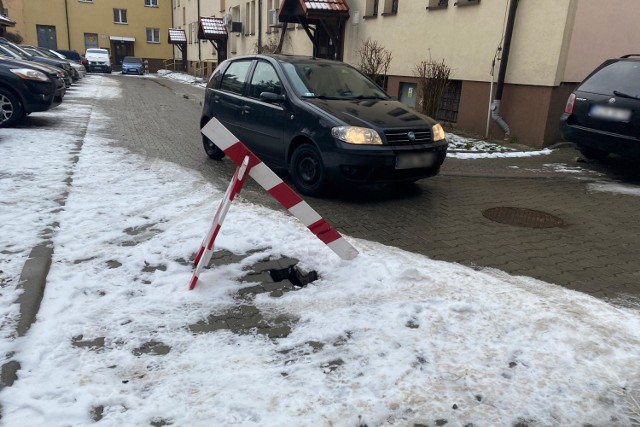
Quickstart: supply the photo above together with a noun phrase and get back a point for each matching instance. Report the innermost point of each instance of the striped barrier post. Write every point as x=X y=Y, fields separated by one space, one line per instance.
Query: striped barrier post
x=267 y=179
x=206 y=248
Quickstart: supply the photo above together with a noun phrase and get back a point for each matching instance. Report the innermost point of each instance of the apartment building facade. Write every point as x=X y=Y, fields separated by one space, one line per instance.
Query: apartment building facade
x=554 y=45
x=124 y=27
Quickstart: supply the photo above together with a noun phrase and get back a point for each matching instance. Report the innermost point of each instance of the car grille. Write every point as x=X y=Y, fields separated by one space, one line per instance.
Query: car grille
x=402 y=137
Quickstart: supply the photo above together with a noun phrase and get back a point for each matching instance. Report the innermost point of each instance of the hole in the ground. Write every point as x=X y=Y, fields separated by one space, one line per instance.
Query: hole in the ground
x=298 y=278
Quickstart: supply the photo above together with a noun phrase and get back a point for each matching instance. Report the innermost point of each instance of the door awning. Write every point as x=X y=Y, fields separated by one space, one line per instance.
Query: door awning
x=291 y=10
x=177 y=36
x=5 y=21
x=122 y=39
x=210 y=28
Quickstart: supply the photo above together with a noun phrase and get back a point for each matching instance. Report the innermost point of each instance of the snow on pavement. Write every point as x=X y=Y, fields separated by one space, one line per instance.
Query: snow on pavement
x=390 y=338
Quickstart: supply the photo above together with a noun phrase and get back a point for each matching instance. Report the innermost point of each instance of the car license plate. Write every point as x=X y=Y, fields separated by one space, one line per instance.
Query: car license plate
x=415 y=160
x=610 y=113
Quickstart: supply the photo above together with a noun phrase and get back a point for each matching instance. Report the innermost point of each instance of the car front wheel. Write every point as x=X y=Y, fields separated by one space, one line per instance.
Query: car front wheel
x=307 y=171
x=10 y=109
x=212 y=149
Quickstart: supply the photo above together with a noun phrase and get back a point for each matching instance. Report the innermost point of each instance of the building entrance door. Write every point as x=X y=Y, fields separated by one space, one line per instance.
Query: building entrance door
x=121 y=49
x=47 y=36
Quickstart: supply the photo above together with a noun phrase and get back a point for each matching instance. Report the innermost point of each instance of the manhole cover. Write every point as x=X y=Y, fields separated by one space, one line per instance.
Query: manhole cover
x=521 y=217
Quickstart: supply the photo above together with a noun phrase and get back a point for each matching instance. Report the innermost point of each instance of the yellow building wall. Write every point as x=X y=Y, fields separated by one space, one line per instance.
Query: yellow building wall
x=74 y=18
x=14 y=7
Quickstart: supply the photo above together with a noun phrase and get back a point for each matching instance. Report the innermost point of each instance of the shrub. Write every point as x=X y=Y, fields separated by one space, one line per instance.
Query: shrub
x=374 y=61
x=433 y=78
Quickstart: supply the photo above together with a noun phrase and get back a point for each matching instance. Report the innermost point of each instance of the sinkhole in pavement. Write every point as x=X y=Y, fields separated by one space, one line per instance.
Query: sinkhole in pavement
x=522 y=217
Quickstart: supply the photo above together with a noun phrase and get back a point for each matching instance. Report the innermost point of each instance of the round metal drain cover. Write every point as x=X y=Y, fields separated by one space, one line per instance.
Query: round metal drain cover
x=521 y=217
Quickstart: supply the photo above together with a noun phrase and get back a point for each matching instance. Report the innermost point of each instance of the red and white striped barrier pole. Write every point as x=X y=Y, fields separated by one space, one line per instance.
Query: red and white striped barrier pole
x=237 y=151
x=206 y=248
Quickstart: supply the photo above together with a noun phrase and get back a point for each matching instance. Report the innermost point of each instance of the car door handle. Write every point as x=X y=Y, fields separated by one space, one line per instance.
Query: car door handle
x=216 y=99
x=245 y=110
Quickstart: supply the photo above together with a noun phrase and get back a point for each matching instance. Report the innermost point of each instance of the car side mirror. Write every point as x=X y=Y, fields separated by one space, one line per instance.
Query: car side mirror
x=271 y=97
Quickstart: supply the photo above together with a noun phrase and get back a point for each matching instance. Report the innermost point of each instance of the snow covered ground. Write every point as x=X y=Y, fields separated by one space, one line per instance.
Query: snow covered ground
x=390 y=338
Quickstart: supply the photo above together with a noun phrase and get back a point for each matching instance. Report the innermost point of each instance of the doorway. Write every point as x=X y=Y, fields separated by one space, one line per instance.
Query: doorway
x=121 y=49
x=47 y=36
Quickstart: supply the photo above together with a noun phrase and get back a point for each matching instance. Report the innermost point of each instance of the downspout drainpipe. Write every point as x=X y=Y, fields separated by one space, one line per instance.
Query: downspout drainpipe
x=495 y=108
x=199 y=44
x=66 y=14
x=259 y=26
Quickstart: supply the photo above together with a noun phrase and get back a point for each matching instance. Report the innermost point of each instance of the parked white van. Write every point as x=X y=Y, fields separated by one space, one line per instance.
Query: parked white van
x=98 y=60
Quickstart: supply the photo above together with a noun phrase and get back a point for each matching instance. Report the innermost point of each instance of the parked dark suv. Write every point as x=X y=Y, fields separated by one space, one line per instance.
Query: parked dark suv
x=603 y=115
x=24 y=89
x=321 y=120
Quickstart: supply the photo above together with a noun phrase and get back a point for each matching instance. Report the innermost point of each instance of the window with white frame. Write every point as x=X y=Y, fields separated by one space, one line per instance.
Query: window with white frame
x=151 y=3
x=253 y=17
x=437 y=4
x=153 y=35
x=371 y=8
x=120 y=16
x=390 y=7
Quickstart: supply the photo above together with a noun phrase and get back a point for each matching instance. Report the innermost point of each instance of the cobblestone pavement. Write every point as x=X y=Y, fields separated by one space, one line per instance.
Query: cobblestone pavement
x=595 y=251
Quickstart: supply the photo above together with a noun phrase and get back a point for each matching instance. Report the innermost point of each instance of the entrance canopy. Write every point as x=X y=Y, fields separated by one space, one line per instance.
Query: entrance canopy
x=212 y=29
x=292 y=10
x=177 y=36
x=323 y=21
x=122 y=39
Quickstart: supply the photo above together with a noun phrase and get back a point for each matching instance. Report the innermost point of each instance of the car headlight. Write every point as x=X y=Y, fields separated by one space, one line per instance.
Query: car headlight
x=356 y=135
x=29 y=74
x=438 y=132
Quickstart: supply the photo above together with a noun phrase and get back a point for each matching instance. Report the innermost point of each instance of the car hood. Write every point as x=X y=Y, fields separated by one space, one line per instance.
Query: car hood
x=96 y=57
x=373 y=113
x=30 y=64
x=132 y=64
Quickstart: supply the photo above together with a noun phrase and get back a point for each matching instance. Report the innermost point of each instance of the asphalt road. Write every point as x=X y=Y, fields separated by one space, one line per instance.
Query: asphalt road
x=595 y=250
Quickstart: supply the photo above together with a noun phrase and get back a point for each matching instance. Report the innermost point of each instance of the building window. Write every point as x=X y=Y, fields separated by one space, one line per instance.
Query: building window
x=151 y=3
x=85 y=1
x=390 y=7
x=120 y=16
x=153 y=35
x=371 y=8
x=437 y=4
x=466 y=2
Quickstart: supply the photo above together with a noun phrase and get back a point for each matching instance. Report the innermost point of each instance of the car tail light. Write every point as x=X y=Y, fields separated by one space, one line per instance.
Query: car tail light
x=569 y=107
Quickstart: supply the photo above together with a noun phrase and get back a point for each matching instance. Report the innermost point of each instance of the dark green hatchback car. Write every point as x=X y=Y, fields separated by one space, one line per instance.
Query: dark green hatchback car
x=323 y=121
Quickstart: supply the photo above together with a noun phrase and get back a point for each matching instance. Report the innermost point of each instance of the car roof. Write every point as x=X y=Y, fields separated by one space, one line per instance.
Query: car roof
x=293 y=59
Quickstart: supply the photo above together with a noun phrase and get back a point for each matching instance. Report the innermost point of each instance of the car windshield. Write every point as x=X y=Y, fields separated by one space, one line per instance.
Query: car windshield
x=98 y=51
x=132 y=60
x=16 y=51
x=621 y=77
x=331 y=81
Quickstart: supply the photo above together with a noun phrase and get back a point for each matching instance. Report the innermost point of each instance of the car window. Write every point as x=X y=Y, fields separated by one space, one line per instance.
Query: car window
x=621 y=76
x=338 y=81
x=264 y=79
x=235 y=76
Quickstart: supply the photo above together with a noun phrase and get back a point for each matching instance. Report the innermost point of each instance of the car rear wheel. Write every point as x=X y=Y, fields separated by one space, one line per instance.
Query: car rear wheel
x=212 y=149
x=593 y=153
x=10 y=108
x=307 y=171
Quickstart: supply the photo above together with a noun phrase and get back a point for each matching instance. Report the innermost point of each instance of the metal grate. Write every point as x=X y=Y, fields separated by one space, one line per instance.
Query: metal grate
x=522 y=217
x=403 y=137
x=450 y=102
